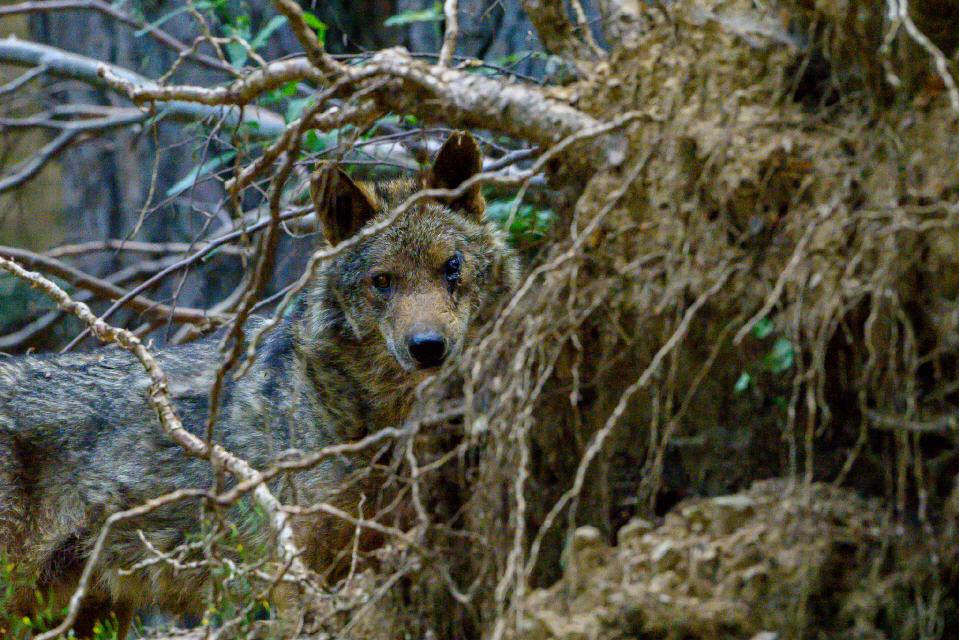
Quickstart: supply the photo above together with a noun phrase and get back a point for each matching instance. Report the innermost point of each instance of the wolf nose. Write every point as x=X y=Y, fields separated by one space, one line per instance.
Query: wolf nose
x=427 y=348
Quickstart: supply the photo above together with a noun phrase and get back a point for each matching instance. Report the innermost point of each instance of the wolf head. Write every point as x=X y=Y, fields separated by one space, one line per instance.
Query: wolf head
x=419 y=286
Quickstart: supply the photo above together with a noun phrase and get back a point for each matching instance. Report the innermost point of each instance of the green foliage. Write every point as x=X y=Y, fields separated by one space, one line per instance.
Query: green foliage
x=317 y=25
x=286 y=91
x=14 y=627
x=195 y=173
x=235 y=23
x=525 y=224
x=431 y=14
x=779 y=359
x=296 y=107
x=763 y=328
x=743 y=382
x=268 y=30
x=317 y=141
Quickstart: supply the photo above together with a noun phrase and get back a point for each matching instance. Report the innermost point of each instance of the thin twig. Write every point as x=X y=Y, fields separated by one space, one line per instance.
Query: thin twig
x=23 y=79
x=899 y=10
x=107 y=290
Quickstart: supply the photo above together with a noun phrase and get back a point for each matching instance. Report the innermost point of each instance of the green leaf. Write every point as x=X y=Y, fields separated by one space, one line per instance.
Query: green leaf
x=315 y=142
x=433 y=14
x=317 y=25
x=236 y=51
x=286 y=91
x=742 y=384
x=781 y=357
x=763 y=328
x=268 y=30
x=237 y=54
x=528 y=223
x=296 y=107
x=207 y=167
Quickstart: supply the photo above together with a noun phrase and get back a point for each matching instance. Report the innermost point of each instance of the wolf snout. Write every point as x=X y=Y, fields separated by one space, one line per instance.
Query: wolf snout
x=427 y=348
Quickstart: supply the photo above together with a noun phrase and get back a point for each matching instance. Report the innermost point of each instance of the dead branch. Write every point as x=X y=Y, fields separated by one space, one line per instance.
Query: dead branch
x=164 y=38
x=64 y=64
x=134 y=246
x=108 y=291
x=34 y=328
x=308 y=40
x=436 y=93
x=187 y=262
x=407 y=85
x=241 y=91
x=937 y=424
x=70 y=132
x=21 y=80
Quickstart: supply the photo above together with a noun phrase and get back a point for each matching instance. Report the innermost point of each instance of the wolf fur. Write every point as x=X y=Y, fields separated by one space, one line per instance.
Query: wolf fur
x=79 y=440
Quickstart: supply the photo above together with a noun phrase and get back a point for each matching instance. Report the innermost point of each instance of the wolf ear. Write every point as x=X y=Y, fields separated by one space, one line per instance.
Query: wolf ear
x=342 y=206
x=458 y=160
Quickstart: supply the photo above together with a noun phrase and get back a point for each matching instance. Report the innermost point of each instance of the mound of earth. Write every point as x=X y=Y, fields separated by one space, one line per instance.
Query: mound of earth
x=776 y=561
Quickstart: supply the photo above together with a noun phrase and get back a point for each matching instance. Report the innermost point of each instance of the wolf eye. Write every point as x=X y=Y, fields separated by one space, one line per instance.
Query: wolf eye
x=452 y=269
x=382 y=282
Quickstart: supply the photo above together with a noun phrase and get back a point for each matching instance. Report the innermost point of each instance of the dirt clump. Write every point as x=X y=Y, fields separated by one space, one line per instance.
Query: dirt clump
x=778 y=559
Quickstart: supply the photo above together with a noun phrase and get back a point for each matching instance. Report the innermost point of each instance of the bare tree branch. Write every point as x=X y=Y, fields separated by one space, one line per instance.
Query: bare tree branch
x=431 y=92
x=134 y=246
x=70 y=131
x=21 y=80
x=107 y=290
x=134 y=293
x=64 y=64
x=41 y=6
x=470 y=100
x=276 y=74
x=31 y=330
x=450 y=9
x=308 y=39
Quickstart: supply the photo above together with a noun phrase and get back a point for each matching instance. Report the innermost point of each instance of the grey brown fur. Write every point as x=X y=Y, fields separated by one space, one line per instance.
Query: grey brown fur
x=79 y=441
